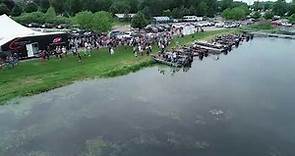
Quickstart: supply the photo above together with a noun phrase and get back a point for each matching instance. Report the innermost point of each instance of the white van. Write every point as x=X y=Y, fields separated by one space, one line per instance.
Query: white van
x=192 y=18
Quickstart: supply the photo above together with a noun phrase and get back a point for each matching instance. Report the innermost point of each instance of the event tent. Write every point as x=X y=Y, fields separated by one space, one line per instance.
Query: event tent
x=15 y=37
x=11 y=30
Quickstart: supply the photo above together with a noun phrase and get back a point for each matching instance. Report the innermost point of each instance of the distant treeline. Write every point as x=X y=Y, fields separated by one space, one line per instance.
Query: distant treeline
x=59 y=10
x=173 y=8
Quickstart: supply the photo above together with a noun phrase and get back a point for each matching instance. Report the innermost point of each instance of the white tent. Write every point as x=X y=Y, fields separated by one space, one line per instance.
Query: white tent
x=9 y=30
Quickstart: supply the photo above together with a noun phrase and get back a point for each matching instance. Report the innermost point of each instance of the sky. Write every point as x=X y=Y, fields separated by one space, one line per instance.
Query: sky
x=252 y=1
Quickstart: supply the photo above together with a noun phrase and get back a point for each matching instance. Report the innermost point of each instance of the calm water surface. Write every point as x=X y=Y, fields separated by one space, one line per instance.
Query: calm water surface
x=240 y=105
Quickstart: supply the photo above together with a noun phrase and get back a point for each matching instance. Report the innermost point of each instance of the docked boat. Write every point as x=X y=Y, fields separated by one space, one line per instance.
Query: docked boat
x=210 y=49
x=183 y=56
x=211 y=45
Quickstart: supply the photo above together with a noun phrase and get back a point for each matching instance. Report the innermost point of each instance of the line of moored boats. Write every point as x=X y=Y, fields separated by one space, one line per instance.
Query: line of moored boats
x=183 y=56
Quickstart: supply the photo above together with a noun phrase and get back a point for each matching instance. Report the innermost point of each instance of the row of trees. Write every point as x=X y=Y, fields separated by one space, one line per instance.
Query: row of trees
x=238 y=11
x=99 y=21
x=279 y=7
x=175 y=8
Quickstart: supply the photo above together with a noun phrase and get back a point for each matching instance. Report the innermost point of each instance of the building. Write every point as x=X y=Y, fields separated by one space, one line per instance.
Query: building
x=15 y=38
x=192 y=18
x=161 y=19
x=124 y=16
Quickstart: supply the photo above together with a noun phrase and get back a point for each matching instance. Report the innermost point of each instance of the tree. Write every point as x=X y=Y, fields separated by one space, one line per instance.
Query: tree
x=34 y=17
x=73 y=6
x=121 y=6
x=4 y=9
x=280 y=7
x=31 y=7
x=84 y=19
x=202 y=9
x=139 y=21
x=167 y=13
x=268 y=15
x=236 y=13
x=256 y=15
x=17 y=10
x=59 y=5
x=133 y=6
x=212 y=7
x=9 y=3
x=102 y=21
x=177 y=13
x=225 y=4
x=43 y=5
x=192 y=10
x=292 y=19
x=292 y=9
x=50 y=15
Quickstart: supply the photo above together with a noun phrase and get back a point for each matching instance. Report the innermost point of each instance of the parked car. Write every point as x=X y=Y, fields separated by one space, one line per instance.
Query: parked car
x=286 y=24
x=62 y=26
x=166 y=26
x=122 y=35
x=151 y=29
x=113 y=33
x=219 y=25
x=160 y=28
x=34 y=25
x=48 y=25
x=231 y=25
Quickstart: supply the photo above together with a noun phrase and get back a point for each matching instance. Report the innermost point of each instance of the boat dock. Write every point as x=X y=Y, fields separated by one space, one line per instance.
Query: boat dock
x=183 y=57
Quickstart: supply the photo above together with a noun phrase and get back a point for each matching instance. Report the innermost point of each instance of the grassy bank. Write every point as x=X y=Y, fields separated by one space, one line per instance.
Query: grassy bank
x=261 y=27
x=32 y=77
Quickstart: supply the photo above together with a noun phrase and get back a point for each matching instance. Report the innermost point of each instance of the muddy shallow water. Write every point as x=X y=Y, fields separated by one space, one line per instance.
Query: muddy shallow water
x=240 y=105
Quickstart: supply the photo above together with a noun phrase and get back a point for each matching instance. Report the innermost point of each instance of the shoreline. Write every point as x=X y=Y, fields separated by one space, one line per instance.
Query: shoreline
x=34 y=77
x=269 y=34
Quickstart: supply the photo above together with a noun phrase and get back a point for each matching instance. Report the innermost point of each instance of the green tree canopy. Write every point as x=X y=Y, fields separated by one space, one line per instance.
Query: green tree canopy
x=236 y=13
x=102 y=21
x=280 y=7
x=268 y=15
x=122 y=6
x=202 y=9
x=31 y=7
x=17 y=10
x=59 y=5
x=50 y=13
x=226 y=4
x=34 y=17
x=84 y=19
x=292 y=18
x=139 y=21
x=4 y=9
x=256 y=15
x=9 y=3
x=99 y=22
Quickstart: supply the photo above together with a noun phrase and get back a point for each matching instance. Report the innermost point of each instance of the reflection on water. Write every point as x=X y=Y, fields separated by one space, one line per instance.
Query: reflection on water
x=239 y=104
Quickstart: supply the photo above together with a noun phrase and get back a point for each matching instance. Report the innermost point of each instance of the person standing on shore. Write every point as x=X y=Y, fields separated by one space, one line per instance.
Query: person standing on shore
x=149 y=49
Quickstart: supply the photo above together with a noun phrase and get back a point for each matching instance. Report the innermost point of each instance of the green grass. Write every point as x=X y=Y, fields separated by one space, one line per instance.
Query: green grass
x=265 y=27
x=32 y=77
x=117 y=22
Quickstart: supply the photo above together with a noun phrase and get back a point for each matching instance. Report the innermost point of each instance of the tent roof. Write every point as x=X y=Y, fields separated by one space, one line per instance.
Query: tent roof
x=11 y=30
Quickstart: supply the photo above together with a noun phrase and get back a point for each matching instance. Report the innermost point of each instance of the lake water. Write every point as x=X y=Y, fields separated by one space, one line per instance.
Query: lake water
x=240 y=105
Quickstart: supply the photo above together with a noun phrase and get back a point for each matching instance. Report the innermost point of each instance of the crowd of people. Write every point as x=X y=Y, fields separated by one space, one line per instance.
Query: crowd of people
x=85 y=44
x=8 y=60
x=140 y=43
